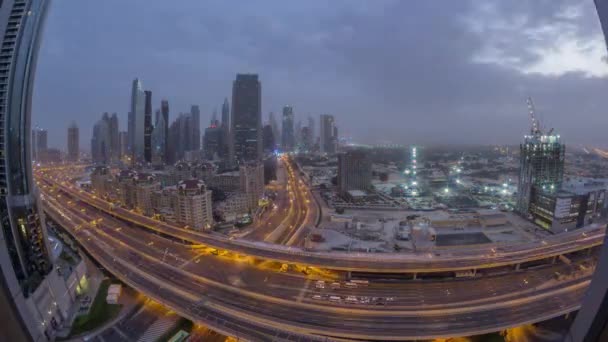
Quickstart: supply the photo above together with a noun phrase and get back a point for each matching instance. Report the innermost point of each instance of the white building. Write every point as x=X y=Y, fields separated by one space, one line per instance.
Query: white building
x=252 y=182
x=194 y=207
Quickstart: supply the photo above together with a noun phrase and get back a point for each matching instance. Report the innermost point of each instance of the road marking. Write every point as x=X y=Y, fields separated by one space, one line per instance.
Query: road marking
x=198 y=255
x=303 y=290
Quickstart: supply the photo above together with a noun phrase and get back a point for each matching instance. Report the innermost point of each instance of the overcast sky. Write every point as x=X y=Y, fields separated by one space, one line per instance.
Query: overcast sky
x=390 y=71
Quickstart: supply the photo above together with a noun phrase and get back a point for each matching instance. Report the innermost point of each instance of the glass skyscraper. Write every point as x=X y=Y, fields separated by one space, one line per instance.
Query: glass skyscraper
x=24 y=254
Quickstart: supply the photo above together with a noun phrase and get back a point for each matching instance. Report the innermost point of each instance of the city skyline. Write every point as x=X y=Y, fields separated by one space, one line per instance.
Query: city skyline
x=483 y=85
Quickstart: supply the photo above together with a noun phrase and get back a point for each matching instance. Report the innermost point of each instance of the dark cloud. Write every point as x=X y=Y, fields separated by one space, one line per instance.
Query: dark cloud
x=399 y=71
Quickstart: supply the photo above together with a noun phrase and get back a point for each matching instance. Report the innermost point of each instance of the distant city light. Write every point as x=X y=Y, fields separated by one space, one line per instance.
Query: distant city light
x=458 y=181
x=446 y=190
x=407 y=171
x=414 y=183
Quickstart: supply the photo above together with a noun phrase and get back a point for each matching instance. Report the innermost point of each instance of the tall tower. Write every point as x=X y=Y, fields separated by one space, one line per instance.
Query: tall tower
x=541 y=163
x=195 y=113
x=287 y=136
x=246 y=122
x=138 y=102
x=148 y=127
x=328 y=134
x=73 y=142
x=159 y=141
x=225 y=124
x=114 y=139
x=24 y=254
x=164 y=112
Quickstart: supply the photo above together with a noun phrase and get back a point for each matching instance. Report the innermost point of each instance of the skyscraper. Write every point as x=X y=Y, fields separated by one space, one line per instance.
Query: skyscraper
x=73 y=143
x=287 y=136
x=138 y=103
x=159 y=140
x=354 y=171
x=268 y=137
x=123 y=143
x=148 y=127
x=39 y=142
x=164 y=111
x=180 y=137
x=24 y=256
x=195 y=113
x=541 y=164
x=311 y=131
x=130 y=133
x=246 y=121
x=225 y=124
x=328 y=134
x=101 y=143
x=272 y=121
x=114 y=139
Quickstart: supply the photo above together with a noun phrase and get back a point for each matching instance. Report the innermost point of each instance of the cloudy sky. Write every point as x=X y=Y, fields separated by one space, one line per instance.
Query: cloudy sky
x=390 y=71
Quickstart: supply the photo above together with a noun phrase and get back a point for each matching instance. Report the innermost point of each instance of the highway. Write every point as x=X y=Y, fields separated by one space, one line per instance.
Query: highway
x=482 y=257
x=276 y=309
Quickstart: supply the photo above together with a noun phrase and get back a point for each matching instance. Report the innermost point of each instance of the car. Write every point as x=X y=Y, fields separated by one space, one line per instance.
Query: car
x=317 y=297
x=352 y=299
x=351 y=285
x=335 y=299
x=335 y=285
x=320 y=285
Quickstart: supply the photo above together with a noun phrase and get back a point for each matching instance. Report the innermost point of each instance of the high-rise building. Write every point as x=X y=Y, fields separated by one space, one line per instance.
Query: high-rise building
x=114 y=139
x=194 y=205
x=287 y=135
x=195 y=134
x=311 y=131
x=276 y=133
x=164 y=111
x=225 y=124
x=180 y=137
x=246 y=121
x=354 y=171
x=213 y=141
x=130 y=133
x=159 y=140
x=138 y=115
x=148 y=127
x=73 y=143
x=268 y=138
x=27 y=308
x=123 y=143
x=541 y=165
x=328 y=134
x=39 y=141
x=306 y=140
x=252 y=182
x=101 y=141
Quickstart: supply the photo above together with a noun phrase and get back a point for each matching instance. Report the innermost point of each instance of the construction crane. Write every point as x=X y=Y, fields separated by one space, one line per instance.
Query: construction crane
x=535 y=129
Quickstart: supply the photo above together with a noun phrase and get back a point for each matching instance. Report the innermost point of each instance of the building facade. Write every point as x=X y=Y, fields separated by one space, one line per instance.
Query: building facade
x=25 y=264
x=541 y=168
x=73 y=143
x=138 y=120
x=354 y=171
x=252 y=182
x=328 y=134
x=194 y=207
x=246 y=121
x=288 y=139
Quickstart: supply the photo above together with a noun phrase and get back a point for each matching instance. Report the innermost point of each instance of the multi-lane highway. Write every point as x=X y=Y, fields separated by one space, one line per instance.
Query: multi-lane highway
x=474 y=258
x=273 y=303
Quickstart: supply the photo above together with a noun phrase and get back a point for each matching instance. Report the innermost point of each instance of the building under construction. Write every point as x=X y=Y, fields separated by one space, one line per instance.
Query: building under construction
x=541 y=166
